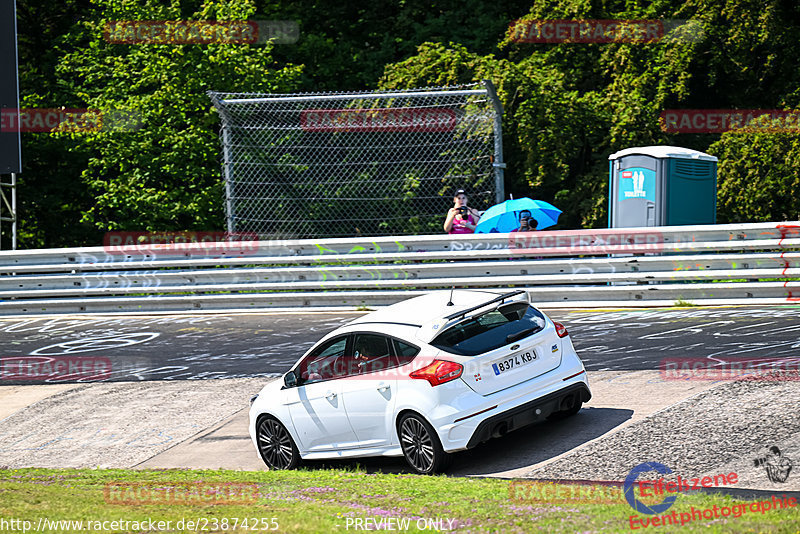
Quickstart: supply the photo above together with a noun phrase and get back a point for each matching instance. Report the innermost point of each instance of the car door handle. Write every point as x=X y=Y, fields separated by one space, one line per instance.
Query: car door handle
x=383 y=388
x=330 y=395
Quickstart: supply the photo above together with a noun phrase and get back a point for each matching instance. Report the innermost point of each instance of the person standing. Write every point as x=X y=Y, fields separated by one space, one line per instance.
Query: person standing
x=461 y=219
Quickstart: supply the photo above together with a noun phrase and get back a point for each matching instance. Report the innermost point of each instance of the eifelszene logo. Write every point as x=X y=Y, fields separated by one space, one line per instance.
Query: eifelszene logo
x=630 y=482
x=652 y=488
x=775 y=464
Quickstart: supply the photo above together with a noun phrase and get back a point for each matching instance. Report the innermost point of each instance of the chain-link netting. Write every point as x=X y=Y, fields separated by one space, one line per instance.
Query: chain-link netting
x=350 y=164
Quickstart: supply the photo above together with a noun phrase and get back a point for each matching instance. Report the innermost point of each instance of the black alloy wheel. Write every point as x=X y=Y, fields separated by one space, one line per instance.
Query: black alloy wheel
x=421 y=446
x=276 y=445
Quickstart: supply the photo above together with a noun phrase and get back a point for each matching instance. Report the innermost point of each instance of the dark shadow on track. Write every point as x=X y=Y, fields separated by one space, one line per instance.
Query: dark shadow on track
x=538 y=442
x=519 y=449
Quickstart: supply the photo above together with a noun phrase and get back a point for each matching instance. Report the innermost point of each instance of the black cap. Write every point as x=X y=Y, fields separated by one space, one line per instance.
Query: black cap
x=459 y=192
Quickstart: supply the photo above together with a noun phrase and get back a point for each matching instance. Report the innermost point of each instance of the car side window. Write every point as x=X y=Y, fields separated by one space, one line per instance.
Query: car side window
x=326 y=362
x=371 y=353
x=405 y=352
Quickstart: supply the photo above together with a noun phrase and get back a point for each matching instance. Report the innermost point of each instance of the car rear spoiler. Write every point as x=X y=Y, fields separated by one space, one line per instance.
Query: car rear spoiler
x=501 y=298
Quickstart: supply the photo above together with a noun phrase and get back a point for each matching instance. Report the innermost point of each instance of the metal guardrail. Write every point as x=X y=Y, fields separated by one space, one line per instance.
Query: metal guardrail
x=718 y=264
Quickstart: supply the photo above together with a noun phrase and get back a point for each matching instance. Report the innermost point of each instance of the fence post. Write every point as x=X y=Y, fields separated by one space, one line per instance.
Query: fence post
x=498 y=164
x=226 y=165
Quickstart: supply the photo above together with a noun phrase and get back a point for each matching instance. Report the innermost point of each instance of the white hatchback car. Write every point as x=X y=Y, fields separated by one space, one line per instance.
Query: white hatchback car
x=422 y=378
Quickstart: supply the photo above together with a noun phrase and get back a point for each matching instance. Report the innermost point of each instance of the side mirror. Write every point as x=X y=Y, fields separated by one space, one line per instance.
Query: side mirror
x=290 y=379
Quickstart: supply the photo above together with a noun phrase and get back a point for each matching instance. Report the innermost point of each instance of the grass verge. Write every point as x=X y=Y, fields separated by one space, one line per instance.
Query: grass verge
x=312 y=501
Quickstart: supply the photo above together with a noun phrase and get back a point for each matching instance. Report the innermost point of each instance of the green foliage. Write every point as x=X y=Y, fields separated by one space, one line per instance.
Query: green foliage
x=165 y=174
x=567 y=106
x=759 y=176
x=346 y=45
x=50 y=195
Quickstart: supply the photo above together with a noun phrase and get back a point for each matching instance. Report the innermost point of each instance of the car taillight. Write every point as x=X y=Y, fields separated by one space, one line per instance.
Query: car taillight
x=561 y=330
x=438 y=372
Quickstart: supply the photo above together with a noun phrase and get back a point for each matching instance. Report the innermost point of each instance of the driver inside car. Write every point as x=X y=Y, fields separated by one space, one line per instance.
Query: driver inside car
x=367 y=354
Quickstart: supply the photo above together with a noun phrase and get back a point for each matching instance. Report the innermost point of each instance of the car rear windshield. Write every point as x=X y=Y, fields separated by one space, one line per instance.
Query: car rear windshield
x=506 y=324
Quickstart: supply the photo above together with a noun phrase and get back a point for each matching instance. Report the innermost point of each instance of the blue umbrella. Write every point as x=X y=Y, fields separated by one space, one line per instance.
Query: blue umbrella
x=504 y=217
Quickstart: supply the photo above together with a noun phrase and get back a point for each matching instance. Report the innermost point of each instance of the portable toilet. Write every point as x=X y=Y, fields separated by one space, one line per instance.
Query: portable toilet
x=661 y=186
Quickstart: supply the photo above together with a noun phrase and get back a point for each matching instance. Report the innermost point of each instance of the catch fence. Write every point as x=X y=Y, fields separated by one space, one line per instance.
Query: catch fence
x=357 y=164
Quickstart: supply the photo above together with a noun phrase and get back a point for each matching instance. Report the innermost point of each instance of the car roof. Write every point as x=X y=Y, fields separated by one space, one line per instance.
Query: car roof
x=426 y=313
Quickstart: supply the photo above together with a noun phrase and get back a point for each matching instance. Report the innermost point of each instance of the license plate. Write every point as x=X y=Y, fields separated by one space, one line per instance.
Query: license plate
x=517 y=360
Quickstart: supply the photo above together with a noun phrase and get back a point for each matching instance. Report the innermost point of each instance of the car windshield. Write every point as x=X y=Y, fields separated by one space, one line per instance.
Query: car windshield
x=491 y=330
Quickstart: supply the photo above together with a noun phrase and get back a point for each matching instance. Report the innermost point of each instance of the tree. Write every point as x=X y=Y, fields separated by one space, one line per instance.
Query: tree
x=164 y=173
x=346 y=45
x=51 y=195
x=569 y=105
x=759 y=175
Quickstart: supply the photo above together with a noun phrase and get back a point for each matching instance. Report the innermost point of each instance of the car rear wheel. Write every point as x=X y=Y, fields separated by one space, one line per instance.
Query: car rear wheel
x=276 y=445
x=421 y=446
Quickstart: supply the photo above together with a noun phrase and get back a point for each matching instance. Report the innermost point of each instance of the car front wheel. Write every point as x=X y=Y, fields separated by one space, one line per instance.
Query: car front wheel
x=421 y=446
x=276 y=445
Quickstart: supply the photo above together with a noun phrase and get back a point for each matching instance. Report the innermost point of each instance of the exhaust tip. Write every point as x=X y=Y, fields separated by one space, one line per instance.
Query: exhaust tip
x=500 y=430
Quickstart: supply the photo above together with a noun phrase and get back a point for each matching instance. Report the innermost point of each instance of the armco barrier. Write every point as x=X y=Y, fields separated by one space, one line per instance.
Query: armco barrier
x=715 y=264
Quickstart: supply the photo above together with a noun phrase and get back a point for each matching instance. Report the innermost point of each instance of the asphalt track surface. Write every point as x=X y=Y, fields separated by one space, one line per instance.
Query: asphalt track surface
x=184 y=347
x=163 y=368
